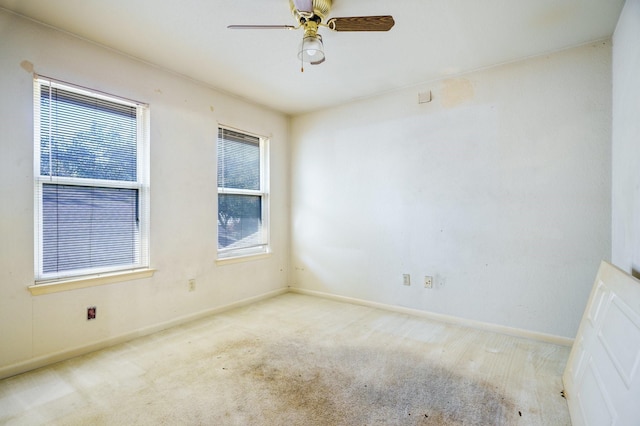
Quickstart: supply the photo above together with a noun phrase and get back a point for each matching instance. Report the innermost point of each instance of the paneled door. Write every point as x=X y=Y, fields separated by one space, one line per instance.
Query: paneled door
x=602 y=377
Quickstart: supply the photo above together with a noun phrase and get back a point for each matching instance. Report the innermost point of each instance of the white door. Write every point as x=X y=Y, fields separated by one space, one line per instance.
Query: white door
x=602 y=378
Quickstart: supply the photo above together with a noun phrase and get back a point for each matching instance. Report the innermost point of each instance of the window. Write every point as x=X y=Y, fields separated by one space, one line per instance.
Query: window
x=91 y=182
x=242 y=194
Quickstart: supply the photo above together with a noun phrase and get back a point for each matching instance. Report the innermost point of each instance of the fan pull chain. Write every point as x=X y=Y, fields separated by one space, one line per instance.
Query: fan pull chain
x=302 y=56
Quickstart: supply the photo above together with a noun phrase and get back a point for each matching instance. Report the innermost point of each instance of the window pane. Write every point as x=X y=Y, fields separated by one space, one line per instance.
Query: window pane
x=239 y=221
x=86 y=137
x=238 y=160
x=87 y=227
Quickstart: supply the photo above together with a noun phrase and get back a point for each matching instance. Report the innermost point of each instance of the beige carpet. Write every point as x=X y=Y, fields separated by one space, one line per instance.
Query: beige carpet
x=300 y=360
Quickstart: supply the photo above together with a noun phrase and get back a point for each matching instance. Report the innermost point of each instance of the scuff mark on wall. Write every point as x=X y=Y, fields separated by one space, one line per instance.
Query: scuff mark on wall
x=556 y=16
x=27 y=66
x=456 y=91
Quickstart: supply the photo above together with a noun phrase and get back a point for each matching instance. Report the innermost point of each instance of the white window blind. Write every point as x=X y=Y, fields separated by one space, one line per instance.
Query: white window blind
x=91 y=189
x=242 y=194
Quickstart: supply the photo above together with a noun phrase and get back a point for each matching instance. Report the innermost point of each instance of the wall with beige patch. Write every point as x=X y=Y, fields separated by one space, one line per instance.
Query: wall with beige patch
x=184 y=119
x=499 y=188
x=626 y=141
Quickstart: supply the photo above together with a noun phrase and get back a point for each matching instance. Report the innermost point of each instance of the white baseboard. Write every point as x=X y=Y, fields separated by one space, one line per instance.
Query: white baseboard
x=33 y=363
x=511 y=331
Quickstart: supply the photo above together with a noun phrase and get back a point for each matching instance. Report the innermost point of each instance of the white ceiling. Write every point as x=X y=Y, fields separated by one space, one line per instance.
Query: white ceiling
x=432 y=39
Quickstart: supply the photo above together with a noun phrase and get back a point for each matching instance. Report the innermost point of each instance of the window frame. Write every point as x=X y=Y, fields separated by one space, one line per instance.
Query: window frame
x=141 y=185
x=265 y=246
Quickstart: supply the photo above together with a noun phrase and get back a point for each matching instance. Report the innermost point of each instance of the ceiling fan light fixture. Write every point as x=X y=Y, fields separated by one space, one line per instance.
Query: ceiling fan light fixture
x=311 y=49
x=310 y=16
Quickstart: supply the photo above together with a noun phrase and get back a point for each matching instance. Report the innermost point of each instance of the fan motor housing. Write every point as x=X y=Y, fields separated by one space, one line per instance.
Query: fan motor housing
x=321 y=9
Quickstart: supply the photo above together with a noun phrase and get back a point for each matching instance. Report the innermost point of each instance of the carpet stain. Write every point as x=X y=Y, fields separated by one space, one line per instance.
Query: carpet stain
x=343 y=385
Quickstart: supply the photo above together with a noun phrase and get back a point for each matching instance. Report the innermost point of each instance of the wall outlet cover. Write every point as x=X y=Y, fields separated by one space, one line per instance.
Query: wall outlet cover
x=91 y=313
x=428 y=282
x=406 y=279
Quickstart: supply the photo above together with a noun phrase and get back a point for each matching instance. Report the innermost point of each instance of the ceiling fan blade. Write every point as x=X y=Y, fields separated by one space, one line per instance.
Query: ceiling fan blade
x=261 y=27
x=362 y=23
x=304 y=5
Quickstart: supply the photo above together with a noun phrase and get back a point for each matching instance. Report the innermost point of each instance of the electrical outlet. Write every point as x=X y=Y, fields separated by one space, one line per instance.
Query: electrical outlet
x=428 y=282
x=406 y=279
x=91 y=313
x=192 y=284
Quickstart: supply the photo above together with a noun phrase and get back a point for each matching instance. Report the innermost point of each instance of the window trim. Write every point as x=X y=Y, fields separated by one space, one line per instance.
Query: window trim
x=95 y=276
x=229 y=256
x=75 y=283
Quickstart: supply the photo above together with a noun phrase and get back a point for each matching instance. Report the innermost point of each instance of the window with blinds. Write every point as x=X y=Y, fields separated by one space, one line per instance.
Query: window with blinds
x=242 y=194
x=91 y=182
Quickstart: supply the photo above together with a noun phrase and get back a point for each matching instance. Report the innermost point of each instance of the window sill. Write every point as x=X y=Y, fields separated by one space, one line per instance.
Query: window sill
x=77 y=283
x=238 y=259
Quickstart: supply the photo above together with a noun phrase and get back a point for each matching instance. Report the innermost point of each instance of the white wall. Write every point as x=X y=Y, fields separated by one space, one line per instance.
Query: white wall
x=184 y=118
x=499 y=188
x=626 y=141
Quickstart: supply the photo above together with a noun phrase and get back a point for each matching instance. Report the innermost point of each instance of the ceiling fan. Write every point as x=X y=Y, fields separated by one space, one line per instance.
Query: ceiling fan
x=310 y=15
